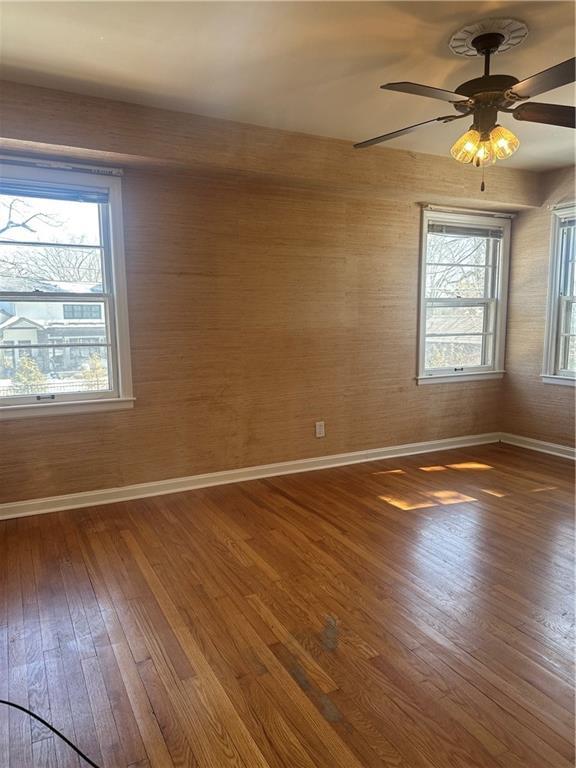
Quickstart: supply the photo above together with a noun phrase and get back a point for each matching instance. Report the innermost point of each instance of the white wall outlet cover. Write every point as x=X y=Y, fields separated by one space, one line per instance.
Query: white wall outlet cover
x=320 y=429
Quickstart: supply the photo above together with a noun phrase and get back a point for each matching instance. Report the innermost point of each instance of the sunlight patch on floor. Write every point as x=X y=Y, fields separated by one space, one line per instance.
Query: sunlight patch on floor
x=470 y=465
x=433 y=468
x=406 y=505
x=449 y=497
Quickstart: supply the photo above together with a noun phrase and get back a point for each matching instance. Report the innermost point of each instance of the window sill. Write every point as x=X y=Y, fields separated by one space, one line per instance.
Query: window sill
x=565 y=381
x=32 y=410
x=452 y=378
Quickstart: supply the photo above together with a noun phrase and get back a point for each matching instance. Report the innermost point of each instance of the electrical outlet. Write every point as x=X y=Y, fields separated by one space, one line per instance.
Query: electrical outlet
x=320 y=429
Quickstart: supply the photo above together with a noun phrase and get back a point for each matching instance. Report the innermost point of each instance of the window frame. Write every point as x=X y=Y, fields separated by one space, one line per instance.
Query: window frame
x=113 y=297
x=496 y=304
x=551 y=373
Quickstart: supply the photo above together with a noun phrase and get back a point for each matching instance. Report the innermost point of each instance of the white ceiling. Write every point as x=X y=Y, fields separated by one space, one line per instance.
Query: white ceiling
x=312 y=67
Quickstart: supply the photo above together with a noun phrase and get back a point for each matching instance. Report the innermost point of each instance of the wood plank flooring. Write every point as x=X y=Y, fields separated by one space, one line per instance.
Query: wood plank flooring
x=414 y=613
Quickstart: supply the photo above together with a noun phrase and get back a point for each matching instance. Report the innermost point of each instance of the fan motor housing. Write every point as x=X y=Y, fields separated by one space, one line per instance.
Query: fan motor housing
x=490 y=90
x=488 y=83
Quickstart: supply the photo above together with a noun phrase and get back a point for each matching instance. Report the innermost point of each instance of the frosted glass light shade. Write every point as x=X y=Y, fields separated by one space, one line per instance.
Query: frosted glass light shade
x=485 y=154
x=504 y=142
x=465 y=148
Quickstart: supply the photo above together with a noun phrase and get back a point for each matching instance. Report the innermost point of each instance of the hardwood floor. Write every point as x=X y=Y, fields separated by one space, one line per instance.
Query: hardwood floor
x=414 y=613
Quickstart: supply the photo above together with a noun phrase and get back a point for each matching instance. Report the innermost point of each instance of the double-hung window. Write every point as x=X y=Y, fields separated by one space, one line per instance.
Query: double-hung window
x=63 y=314
x=560 y=346
x=464 y=274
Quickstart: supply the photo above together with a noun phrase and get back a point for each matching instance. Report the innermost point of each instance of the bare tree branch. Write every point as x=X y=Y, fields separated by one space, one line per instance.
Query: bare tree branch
x=52 y=263
x=25 y=224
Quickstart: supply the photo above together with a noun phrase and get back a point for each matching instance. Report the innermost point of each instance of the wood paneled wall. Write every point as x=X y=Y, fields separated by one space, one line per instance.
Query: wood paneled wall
x=530 y=407
x=266 y=291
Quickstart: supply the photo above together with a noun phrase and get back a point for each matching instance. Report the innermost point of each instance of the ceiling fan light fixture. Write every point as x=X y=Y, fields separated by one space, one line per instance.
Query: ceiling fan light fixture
x=484 y=149
x=465 y=148
x=504 y=142
x=481 y=98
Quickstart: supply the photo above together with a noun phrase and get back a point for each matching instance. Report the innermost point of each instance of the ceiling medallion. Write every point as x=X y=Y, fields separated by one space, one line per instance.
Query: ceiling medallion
x=513 y=31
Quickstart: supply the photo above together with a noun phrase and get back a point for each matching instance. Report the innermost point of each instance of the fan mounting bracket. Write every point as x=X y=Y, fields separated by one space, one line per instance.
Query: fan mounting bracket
x=487 y=43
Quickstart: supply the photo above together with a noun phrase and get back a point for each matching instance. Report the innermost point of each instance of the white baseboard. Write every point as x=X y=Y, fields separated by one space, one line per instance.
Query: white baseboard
x=565 y=451
x=178 y=484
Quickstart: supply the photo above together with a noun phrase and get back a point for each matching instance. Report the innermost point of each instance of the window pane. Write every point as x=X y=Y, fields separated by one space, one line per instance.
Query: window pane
x=571 y=279
x=568 y=250
x=456 y=282
x=53 y=269
x=571 y=356
x=567 y=355
x=82 y=311
x=42 y=220
x=43 y=322
x=453 y=351
x=458 y=250
x=569 y=321
x=569 y=282
x=448 y=320
x=57 y=370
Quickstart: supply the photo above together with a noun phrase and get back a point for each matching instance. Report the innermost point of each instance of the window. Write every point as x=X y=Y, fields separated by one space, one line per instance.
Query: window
x=82 y=312
x=464 y=274
x=560 y=346
x=63 y=315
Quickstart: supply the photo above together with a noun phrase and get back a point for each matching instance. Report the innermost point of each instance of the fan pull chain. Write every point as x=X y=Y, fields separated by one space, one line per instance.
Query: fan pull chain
x=477 y=164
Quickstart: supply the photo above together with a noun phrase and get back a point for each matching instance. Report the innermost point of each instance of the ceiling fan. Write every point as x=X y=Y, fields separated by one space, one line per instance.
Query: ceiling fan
x=483 y=97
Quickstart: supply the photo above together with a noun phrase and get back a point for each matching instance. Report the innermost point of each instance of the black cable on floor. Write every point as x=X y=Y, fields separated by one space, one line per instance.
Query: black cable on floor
x=51 y=727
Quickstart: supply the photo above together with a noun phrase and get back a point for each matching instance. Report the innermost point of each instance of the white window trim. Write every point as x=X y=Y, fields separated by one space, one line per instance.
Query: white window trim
x=452 y=378
x=76 y=177
x=63 y=408
x=549 y=374
x=495 y=371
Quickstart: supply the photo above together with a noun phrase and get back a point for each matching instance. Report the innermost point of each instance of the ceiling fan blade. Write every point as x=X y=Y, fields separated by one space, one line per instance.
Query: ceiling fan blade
x=551 y=114
x=561 y=74
x=424 y=90
x=409 y=129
